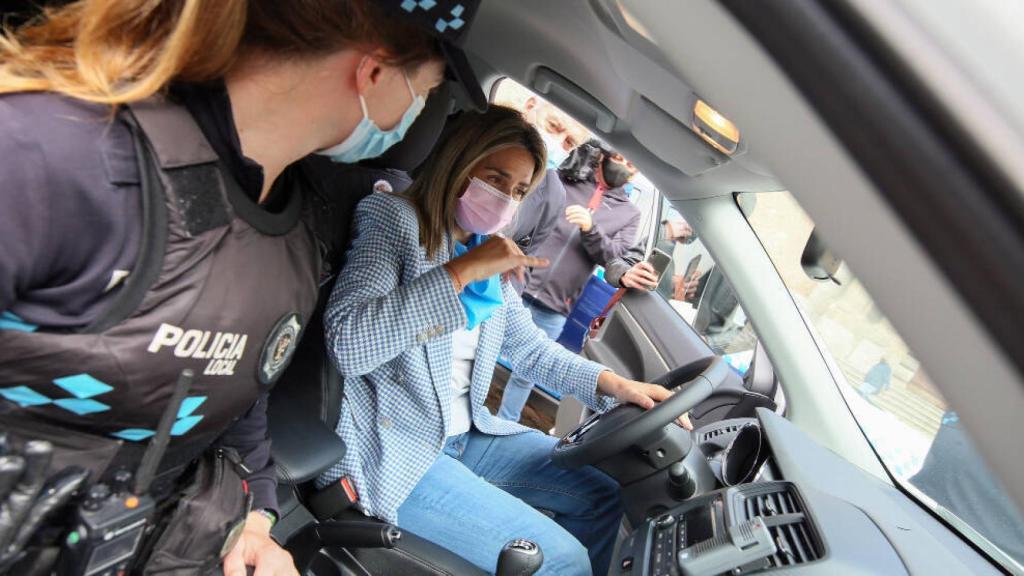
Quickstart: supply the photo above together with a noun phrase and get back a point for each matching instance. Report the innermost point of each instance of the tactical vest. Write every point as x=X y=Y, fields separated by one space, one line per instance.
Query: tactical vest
x=220 y=286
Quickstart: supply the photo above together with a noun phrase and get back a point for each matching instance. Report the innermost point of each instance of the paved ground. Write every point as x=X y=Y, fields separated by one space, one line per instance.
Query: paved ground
x=915 y=407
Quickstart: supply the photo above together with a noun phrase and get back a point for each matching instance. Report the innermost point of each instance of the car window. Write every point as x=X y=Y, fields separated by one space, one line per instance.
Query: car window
x=561 y=133
x=698 y=291
x=915 y=433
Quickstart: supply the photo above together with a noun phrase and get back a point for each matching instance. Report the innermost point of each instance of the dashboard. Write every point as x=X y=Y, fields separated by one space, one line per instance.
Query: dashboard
x=805 y=511
x=669 y=544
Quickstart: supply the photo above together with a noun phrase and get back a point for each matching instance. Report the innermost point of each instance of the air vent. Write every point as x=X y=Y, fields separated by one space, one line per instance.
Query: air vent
x=732 y=429
x=790 y=527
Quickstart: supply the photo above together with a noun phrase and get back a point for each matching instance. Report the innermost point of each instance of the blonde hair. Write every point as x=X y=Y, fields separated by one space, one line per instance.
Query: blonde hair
x=474 y=137
x=120 y=51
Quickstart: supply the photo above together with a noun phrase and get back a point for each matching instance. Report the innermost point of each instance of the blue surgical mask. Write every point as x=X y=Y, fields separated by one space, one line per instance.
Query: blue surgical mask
x=556 y=153
x=368 y=140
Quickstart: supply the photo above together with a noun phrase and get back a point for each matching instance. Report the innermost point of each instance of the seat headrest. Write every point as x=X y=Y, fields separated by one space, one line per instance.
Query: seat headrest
x=419 y=141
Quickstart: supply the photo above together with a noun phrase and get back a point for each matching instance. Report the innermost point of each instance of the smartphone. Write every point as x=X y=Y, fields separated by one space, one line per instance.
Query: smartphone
x=692 y=267
x=660 y=261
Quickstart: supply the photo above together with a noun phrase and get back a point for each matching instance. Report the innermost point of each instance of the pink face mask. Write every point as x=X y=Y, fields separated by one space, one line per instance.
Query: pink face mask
x=484 y=209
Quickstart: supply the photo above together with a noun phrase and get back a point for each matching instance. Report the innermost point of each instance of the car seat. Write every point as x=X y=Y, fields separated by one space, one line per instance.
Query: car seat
x=304 y=404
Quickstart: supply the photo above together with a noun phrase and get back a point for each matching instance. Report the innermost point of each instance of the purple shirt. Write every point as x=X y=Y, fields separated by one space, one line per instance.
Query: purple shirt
x=573 y=254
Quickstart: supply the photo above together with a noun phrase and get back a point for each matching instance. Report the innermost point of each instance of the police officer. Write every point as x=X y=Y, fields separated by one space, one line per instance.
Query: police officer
x=153 y=216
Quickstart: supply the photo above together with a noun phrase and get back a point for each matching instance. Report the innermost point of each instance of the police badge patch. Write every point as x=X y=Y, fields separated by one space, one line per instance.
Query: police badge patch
x=279 y=347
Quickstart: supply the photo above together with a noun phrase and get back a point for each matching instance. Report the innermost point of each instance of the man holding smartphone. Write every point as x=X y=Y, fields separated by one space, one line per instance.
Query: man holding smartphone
x=632 y=271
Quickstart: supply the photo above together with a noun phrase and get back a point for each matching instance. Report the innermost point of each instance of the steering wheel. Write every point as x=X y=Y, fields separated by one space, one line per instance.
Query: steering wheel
x=625 y=425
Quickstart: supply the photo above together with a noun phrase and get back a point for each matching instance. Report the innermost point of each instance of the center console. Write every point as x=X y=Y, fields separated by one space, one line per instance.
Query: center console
x=739 y=530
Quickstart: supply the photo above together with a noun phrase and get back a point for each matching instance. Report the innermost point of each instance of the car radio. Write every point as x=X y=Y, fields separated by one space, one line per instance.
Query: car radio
x=737 y=530
x=679 y=529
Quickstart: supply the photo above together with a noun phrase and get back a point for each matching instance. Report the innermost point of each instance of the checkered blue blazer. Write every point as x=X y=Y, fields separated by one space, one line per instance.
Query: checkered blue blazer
x=388 y=326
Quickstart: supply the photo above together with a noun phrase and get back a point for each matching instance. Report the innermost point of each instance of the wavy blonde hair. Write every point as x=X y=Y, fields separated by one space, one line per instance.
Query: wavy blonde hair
x=120 y=51
x=474 y=136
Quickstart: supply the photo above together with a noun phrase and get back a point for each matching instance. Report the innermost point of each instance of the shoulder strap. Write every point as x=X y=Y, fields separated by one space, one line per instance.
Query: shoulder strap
x=167 y=140
x=173 y=134
x=151 y=247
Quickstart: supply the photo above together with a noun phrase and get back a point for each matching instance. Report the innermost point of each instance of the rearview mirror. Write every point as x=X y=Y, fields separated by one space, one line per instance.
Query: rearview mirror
x=818 y=261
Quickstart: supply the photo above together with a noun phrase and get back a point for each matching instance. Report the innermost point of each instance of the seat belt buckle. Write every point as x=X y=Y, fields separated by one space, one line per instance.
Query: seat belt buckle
x=328 y=502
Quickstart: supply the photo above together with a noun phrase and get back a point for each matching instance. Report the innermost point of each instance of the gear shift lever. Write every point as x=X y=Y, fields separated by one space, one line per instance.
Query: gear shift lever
x=519 y=558
x=681 y=484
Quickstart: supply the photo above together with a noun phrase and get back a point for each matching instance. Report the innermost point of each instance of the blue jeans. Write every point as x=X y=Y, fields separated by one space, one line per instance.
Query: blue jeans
x=484 y=491
x=517 y=390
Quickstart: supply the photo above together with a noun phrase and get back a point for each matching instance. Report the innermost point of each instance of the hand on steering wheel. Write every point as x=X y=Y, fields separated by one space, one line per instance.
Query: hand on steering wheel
x=644 y=413
x=642 y=394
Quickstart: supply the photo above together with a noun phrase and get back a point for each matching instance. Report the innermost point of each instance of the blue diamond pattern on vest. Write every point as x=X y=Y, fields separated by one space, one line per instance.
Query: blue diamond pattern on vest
x=410 y=5
x=81 y=406
x=133 y=434
x=184 y=425
x=189 y=405
x=24 y=396
x=185 y=422
x=455 y=23
x=83 y=385
x=10 y=321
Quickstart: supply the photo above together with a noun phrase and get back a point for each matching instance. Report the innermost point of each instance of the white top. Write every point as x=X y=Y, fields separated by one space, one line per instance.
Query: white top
x=464 y=345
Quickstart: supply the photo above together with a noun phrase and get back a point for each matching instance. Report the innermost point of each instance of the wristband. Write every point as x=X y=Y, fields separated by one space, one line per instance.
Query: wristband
x=268 y=514
x=459 y=284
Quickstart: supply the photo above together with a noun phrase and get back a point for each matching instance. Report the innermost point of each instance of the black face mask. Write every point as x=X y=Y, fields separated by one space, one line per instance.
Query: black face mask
x=614 y=174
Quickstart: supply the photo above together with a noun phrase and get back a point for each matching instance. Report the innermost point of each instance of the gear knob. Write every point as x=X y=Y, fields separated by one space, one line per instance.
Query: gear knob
x=519 y=558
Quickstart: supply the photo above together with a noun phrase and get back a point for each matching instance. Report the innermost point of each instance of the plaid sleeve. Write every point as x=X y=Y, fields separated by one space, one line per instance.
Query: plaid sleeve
x=536 y=357
x=372 y=317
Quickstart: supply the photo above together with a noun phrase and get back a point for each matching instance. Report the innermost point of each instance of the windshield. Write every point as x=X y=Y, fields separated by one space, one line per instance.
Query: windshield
x=916 y=434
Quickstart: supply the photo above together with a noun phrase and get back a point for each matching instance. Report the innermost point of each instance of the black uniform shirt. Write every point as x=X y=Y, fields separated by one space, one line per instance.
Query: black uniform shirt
x=71 y=222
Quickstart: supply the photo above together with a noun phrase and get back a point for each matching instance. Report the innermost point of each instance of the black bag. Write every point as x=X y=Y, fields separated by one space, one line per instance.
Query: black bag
x=207 y=520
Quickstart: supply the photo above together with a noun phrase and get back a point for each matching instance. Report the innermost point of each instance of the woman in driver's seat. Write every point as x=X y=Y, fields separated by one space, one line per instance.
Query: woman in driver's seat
x=415 y=324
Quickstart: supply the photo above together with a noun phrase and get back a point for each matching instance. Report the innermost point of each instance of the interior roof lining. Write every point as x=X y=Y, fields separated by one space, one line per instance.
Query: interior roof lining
x=584 y=29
